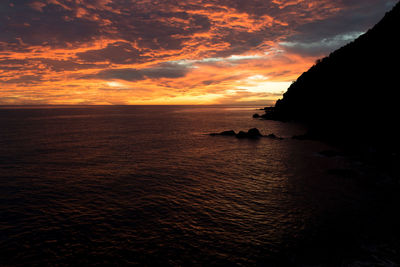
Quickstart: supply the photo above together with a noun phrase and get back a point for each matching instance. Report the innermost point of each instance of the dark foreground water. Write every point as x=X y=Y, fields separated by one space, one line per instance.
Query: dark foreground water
x=147 y=185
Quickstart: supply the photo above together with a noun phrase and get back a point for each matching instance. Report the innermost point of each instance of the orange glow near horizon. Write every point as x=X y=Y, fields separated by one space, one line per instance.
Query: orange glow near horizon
x=106 y=52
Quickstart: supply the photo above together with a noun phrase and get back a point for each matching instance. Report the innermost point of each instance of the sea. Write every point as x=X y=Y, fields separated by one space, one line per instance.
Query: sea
x=149 y=186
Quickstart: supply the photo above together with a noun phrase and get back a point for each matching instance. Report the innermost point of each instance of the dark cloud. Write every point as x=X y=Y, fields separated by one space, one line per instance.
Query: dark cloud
x=24 y=79
x=68 y=65
x=321 y=37
x=46 y=63
x=166 y=70
x=13 y=64
x=119 y=74
x=22 y=25
x=154 y=29
x=118 y=53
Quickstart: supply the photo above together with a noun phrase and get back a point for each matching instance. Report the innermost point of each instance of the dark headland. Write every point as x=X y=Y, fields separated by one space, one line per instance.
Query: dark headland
x=351 y=96
x=350 y=99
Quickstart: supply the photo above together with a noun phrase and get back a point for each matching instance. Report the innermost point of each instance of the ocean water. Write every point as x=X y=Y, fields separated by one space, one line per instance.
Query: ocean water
x=147 y=185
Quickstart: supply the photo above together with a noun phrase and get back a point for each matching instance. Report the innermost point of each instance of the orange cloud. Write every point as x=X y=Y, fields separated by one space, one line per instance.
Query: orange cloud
x=192 y=52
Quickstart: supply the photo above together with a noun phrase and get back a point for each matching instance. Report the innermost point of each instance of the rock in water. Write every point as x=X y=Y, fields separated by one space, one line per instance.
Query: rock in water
x=252 y=133
x=225 y=133
x=228 y=133
x=241 y=134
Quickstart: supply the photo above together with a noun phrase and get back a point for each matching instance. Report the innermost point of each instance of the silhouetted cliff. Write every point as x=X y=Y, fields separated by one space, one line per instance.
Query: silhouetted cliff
x=352 y=94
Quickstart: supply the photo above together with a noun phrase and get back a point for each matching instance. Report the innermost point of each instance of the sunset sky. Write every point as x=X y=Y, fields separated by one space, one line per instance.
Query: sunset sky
x=168 y=51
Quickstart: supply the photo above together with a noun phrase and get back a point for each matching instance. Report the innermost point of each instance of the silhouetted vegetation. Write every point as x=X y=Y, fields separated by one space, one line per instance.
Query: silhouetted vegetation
x=351 y=95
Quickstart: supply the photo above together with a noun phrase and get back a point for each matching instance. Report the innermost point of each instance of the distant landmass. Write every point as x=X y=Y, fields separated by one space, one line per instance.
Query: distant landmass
x=351 y=96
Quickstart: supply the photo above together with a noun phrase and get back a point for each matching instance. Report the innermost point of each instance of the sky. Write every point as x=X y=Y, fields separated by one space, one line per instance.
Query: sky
x=138 y=52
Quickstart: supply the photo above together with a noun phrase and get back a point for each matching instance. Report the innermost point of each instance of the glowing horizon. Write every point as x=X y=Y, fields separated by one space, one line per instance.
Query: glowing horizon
x=107 y=52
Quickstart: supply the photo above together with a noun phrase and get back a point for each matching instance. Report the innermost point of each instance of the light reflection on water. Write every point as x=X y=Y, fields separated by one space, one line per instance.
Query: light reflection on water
x=147 y=185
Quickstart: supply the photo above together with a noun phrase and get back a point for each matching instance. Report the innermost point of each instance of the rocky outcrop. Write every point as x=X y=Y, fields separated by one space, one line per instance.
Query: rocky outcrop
x=253 y=133
x=225 y=133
